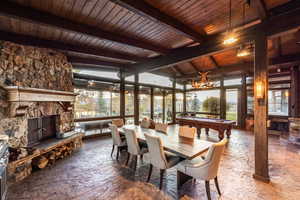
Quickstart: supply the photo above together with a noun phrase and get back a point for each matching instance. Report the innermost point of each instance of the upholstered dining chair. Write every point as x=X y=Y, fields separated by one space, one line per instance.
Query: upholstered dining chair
x=158 y=157
x=117 y=141
x=205 y=168
x=134 y=148
x=186 y=131
x=161 y=127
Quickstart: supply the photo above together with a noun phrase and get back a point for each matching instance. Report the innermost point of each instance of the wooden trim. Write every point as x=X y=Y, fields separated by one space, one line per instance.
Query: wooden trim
x=243 y=101
x=261 y=8
x=24 y=94
x=97 y=118
x=151 y=102
x=174 y=102
x=136 y=100
x=122 y=96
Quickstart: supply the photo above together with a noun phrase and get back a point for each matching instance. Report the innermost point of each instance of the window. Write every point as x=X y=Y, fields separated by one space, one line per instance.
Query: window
x=168 y=106
x=97 y=103
x=105 y=74
x=179 y=102
x=129 y=100
x=158 y=105
x=236 y=81
x=179 y=86
x=144 y=103
x=154 y=79
x=203 y=101
x=278 y=102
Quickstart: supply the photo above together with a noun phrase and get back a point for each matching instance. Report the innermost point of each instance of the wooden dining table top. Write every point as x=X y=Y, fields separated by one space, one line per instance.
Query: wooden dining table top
x=184 y=147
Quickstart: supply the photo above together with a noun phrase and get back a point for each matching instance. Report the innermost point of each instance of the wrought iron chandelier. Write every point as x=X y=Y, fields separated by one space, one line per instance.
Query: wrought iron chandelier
x=203 y=82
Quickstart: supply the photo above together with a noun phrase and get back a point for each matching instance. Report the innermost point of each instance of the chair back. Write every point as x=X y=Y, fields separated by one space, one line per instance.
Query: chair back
x=118 y=122
x=132 y=142
x=115 y=134
x=161 y=127
x=186 y=131
x=213 y=158
x=156 y=151
x=145 y=123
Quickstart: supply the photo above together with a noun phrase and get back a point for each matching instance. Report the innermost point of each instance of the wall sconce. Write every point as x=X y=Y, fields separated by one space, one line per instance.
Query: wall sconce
x=260 y=90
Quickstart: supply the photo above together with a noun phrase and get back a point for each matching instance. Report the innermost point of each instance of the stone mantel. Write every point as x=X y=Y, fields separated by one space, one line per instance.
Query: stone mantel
x=24 y=94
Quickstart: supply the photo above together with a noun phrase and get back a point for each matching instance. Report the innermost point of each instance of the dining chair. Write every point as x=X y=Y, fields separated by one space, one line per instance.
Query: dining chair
x=158 y=157
x=117 y=141
x=118 y=122
x=186 y=131
x=134 y=148
x=145 y=123
x=205 y=168
x=161 y=127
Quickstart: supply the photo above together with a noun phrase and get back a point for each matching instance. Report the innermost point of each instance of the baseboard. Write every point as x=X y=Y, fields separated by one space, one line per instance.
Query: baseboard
x=261 y=178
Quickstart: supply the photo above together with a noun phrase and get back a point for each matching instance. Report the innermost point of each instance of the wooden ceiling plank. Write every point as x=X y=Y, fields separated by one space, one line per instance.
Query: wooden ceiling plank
x=35 y=16
x=194 y=67
x=261 y=8
x=33 y=41
x=177 y=69
x=146 y=10
x=273 y=26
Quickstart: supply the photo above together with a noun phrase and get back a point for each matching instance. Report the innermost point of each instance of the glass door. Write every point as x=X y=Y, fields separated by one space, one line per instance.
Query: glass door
x=168 y=106
x=232 y=98
x=158 y=105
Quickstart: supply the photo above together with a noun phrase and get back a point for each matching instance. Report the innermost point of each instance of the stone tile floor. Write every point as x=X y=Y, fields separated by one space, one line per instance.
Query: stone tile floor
x=91 y=174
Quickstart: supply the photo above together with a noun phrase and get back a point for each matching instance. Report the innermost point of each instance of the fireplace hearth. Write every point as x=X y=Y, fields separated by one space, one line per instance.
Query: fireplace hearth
x=41 y=128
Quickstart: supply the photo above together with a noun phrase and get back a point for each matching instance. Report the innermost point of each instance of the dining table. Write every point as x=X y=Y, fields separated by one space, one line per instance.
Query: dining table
x=185 y=148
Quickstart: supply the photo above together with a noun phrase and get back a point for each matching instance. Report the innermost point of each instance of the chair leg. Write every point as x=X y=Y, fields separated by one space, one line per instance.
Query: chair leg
x=217 y=185
x=112 y=151
x=207 y=190
x=150 y=172
x=127 y=159
x=162 y=171
x=135 y=162
x=118 y=152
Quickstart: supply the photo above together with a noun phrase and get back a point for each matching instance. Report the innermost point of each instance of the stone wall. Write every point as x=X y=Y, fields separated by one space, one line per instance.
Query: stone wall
x=27 y=66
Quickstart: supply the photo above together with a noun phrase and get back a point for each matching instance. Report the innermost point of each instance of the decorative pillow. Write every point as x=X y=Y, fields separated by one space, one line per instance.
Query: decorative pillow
x=186 y=131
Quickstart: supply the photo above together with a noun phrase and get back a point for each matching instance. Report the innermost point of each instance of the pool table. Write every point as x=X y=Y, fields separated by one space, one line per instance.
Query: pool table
x=219 y=125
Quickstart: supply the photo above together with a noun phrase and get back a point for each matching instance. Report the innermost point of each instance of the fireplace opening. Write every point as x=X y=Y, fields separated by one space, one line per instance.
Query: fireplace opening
x=40 y=129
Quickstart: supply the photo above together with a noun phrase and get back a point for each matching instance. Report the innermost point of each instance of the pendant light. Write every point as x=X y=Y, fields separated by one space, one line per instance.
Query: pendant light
x=230 y=37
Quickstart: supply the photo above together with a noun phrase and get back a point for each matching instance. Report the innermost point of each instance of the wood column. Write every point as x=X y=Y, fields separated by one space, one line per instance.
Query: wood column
x=261 y=109
x=151 y=102
x=243 y=102
x=122 y=96
x=295 y=92
x=222 y=100
x=184 y=98
x=136 y=99
x=174 y=102
x=164 y=106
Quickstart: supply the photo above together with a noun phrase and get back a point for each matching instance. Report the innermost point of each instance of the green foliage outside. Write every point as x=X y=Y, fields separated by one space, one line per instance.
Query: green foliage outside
x=211 y=105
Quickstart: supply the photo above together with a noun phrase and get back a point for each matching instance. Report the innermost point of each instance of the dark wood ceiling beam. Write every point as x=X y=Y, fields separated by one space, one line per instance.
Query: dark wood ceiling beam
x=95 y=68
x=243 y=67
x=178 y=70
x=273 y=26
x=33 y=41
x=213 y=60
x=31 y=15
x=79 y=60
x=248 y=66
x=148 y=11
x=261 y=8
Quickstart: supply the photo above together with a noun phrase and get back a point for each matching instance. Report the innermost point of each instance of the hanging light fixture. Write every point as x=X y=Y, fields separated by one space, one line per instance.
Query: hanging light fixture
x=230 y=37
x=203 y=82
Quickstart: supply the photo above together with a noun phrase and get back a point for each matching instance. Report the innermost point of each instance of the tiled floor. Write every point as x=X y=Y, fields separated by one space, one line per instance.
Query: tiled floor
x=91 y=174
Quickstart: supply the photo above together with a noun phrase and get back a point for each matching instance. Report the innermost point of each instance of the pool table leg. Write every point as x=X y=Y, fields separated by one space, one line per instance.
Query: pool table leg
x=198 y=132
x=221 y=134
x=228 y=132
x=207 y=131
